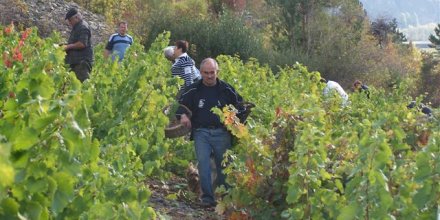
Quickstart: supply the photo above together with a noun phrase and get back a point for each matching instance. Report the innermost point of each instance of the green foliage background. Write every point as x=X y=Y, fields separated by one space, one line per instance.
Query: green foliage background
x=84 y=151
x=333 y=37
x=81 y=151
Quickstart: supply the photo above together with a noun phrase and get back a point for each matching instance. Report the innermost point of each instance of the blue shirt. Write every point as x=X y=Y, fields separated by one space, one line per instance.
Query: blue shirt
x=118 y=44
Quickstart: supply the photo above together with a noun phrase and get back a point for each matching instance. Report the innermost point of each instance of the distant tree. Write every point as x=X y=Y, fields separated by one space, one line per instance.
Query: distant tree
x=435 y=39
x=218 y=6
x=295 y=18
x=386 y=31
x=299 y=20
x=398 y=37
x=430 y=79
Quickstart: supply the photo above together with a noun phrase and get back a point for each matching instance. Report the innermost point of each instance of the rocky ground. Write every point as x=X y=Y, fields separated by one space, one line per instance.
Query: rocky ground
x=48 y=16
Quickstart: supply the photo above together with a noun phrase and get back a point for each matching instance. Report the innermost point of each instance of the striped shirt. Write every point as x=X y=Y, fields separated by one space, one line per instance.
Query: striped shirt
x=185 y=69
x=118 y=44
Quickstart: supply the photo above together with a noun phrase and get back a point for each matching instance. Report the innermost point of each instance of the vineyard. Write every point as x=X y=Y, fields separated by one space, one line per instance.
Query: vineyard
x=85 y=151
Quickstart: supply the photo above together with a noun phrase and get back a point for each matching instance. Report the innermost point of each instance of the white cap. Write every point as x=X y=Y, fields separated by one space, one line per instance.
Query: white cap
x=168 y=52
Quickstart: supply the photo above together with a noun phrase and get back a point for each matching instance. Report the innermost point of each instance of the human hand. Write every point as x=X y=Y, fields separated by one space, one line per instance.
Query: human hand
x=185 y=121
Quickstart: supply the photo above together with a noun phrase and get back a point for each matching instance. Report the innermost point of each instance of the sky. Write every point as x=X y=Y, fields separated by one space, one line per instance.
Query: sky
x=416 y=18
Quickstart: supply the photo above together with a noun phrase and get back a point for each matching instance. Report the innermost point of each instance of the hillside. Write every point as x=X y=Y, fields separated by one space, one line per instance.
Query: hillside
x=48 y=16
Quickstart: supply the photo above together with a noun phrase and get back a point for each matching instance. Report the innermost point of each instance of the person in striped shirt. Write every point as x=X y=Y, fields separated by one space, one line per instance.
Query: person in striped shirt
x=184 y=66
x=118 y=43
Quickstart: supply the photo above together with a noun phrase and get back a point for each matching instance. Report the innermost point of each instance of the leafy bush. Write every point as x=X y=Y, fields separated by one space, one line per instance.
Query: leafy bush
x=209 y=37
x=304 y=157
x=430 y=79
x=72 y=150
x=84 y=151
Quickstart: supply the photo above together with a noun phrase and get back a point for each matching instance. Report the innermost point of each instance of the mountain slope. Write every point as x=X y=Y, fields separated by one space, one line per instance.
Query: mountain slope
x=48 y=16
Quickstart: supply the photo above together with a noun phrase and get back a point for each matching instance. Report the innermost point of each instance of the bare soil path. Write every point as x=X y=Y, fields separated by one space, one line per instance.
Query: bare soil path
x=172 y=201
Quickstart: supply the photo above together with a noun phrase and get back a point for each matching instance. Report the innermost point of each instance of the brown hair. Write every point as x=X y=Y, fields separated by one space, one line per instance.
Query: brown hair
x=182 y=44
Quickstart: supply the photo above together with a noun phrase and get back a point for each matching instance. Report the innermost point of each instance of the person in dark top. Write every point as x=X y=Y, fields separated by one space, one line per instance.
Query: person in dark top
x=118 y=43
x=209 y=134
x=79 y=46
x=358 y=86
x=423 y=108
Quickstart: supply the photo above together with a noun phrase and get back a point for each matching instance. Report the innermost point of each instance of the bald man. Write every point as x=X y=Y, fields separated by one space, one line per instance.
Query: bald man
x=209 y=134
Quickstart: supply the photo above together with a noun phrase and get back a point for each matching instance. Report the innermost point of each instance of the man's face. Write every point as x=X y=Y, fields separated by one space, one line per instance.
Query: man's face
x=72 y=20
x=122 y=28
x=209 y=73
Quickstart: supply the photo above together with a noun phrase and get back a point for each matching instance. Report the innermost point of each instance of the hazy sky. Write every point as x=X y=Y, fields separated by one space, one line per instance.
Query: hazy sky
x=416 y=18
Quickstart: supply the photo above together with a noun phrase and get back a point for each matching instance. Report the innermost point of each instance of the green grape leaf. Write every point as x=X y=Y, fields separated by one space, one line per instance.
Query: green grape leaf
x=423 y=195
x=35 y=186
x=348 y=212
x=64 y=193
x=26 y=139
x=34 y=210
x=43 y=122
x=9 y=207
x=424 y=169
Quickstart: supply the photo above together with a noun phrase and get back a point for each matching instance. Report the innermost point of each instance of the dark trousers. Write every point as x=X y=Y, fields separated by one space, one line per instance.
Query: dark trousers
x=82 y=70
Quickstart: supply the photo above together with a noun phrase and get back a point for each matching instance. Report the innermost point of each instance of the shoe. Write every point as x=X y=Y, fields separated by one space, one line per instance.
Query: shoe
x=208 y=204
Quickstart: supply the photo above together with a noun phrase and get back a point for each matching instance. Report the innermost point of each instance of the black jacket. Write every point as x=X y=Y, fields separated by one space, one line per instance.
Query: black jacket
x=191 y=99
x=80 y=32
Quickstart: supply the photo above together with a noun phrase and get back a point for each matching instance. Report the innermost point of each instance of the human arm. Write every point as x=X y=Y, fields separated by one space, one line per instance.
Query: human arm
x=108 y=47
x=342 y=93
x=106 y=53
x=82 y=41
x=73 y=46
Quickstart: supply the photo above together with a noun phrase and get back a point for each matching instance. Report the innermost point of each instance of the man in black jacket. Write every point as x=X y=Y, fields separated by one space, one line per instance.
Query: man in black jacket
x=209 y=134
x=79 y=46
